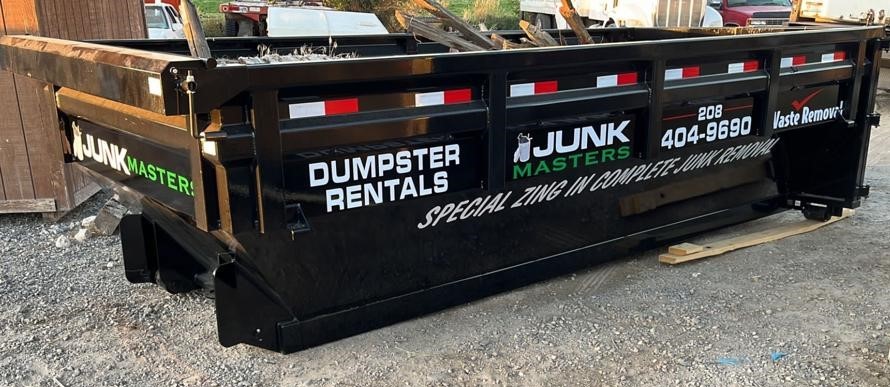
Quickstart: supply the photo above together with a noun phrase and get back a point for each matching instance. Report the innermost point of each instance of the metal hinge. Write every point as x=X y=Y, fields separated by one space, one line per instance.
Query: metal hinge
x=873 y=119
x=296 y=220
x=863 y=191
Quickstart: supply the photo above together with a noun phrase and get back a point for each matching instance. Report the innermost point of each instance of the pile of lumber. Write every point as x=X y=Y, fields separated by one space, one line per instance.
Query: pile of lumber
x=468 y=38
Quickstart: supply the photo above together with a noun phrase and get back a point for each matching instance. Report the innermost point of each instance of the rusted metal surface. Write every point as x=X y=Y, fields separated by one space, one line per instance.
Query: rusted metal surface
x=133 y=77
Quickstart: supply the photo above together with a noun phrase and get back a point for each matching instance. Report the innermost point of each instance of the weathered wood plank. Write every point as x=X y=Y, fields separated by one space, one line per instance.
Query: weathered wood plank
x=126 y=19
x=467 y=31
x=29 y=205
x=46 y=18
x=2 y=95
x=137 y=21
x=13 y=151
x=38 y=114
x=58 y=9
x=568 y=12
x=537 y=36
x=109 y=5
x=415 y=26
x=119 y=13
x=194 y=32
x=31 y=143
x=41 y=135
x=752 y=239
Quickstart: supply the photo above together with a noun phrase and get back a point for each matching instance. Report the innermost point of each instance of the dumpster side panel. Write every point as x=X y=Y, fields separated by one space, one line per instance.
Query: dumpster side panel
x=342 y=195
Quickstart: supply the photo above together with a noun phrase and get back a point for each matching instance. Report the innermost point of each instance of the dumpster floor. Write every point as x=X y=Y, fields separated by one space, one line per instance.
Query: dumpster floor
x=812 y=309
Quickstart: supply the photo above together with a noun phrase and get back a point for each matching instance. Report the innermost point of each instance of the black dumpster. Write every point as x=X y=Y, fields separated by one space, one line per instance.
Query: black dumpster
x=323 y=199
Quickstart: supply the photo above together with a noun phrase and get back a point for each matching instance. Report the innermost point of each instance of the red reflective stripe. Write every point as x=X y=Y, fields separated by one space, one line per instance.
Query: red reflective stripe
x=689 y=72
x=627 y=78
x=546 y=87
x=458 y=96
x=341 y=106
x=798 y=60
x=840 y=55
x=751 y=65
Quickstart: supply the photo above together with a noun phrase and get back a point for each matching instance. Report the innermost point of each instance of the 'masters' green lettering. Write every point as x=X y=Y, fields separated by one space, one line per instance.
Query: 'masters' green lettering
x=172 y=180
x=133 y=164
x=524 y=170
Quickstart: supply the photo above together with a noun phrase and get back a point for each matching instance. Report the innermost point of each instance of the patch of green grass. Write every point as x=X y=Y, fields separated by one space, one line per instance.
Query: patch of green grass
x=211 y=19
x=208 y=6
x=496 y=14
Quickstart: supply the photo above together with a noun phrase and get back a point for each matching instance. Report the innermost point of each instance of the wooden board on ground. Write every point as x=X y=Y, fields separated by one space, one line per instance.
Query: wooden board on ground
x=689 y=251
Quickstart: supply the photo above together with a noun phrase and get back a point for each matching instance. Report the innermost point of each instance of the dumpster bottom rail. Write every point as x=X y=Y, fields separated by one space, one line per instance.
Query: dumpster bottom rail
x=250 y=312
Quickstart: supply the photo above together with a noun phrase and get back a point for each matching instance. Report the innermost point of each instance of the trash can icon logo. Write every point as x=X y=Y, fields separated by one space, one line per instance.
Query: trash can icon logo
x=523 y=149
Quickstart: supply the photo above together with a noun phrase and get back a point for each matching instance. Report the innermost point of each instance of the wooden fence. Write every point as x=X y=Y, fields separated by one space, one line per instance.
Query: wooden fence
x=33 y=174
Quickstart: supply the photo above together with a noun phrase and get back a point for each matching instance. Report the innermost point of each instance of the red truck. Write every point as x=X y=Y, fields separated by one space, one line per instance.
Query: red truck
x=248 y=17
x=753 y=13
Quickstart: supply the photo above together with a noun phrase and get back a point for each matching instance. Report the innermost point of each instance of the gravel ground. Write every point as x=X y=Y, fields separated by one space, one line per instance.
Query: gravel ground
x=808 y=310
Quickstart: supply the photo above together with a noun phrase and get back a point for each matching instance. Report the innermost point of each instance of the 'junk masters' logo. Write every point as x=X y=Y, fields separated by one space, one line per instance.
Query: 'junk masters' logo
x=575 y=148
x=103 y=152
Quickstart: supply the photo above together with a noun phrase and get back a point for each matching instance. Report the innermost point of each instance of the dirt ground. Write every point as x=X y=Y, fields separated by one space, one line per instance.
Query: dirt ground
x=808 y=310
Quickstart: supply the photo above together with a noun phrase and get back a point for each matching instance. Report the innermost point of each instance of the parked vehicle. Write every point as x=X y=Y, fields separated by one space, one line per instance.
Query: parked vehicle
x=163 y=21
x=321 y=22
x=318 y=200
x=846 y=11
x=753 y=13
x=174 y=3
x=630 y=13
x=249 y=17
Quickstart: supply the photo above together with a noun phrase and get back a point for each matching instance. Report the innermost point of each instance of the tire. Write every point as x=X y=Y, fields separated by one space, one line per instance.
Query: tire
x=819 y=213
x=247 y=27
x=231 y=27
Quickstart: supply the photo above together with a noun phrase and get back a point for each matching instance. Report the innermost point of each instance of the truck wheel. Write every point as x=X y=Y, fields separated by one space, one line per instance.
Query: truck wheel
x=246 y=27
x=231 y=27
x=819 y=213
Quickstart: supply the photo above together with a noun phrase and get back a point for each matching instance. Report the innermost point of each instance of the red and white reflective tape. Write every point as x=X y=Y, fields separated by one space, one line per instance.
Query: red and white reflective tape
x=534 y=88
x=800 y=60
x=446 y=97
x=743 y=67
x=323 y=108
x=682 y=73
x=836 y=56
x=622 y=79
x=796 y=60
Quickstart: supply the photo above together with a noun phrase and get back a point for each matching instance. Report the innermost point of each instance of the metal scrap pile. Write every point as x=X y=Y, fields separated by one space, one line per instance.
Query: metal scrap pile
x=303 y=54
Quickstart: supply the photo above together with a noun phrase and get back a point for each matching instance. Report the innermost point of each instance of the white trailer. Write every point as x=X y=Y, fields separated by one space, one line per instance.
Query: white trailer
x=846 y=11
x=631 y=13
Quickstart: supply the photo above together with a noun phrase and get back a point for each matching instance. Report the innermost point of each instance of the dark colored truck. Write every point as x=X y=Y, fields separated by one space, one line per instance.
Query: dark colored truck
x=318 y=200
x=753 y=13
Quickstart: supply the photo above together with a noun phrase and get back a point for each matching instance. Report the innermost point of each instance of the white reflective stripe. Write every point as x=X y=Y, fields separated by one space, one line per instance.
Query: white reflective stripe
x=671 y=74
x=154 y=86
x=828 y=58
x=429 y=99
x=787 y=62
x=310 y=109
x=736 y=68
x=522 y=89
x=607 y=80
x=208 y=147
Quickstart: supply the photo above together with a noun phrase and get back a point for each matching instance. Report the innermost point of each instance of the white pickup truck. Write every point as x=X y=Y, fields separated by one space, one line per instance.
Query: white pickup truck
x=630 y=13
x=163 y=21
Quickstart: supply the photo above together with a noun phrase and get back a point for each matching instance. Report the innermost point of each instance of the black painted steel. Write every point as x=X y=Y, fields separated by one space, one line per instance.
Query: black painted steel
x=323 y=199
